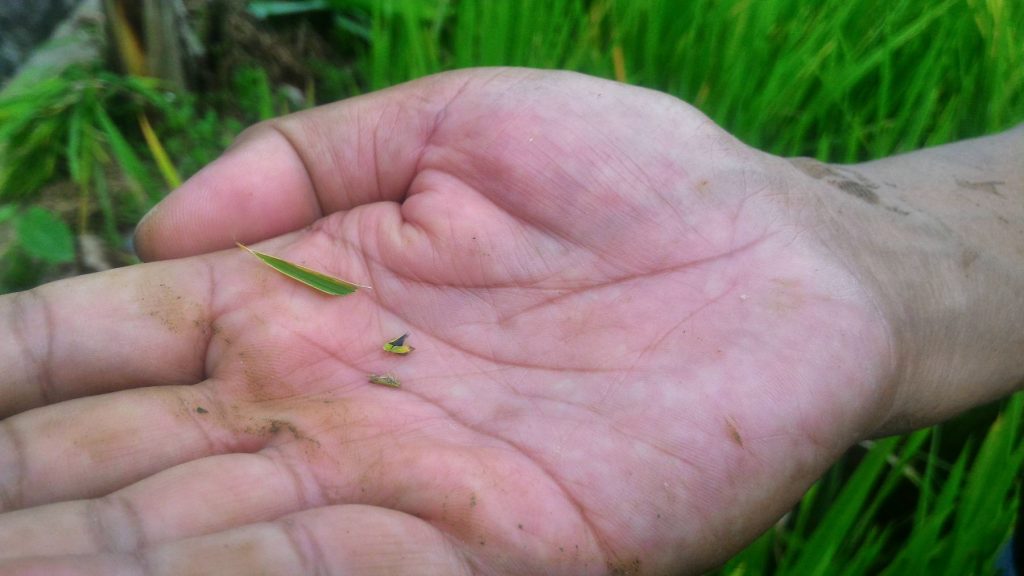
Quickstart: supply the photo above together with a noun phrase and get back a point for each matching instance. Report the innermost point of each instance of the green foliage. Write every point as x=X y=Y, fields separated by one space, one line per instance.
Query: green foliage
x=836 y=79
x=63 y=123
x=194 y=133
x=842 y=81
x=34 y=243
x=45 y=236
x=82 y=125
x=839 y=80
x=254 y=95
x=849 y=524
x=254 y=98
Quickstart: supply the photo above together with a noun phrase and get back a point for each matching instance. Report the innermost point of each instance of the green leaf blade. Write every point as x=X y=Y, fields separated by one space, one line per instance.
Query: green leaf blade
x=45 y=236
x=308 y=276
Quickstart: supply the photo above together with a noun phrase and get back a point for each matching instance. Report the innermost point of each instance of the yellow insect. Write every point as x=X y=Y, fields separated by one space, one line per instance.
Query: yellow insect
x=398 y=345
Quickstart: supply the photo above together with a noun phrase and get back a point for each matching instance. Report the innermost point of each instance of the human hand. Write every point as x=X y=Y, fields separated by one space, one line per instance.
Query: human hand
x=634 y=349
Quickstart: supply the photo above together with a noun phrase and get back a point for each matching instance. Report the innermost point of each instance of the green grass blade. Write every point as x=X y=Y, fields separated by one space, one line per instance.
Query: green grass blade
x=126 y=158
x=755 y=559
x=76 y=126
x=31 y=163
x=45 y=236
x=990 y=495
x=899 y=472
x=822 y=550
x=925 y=543
x=309 y=277
x=106 y=205
x=160 y=157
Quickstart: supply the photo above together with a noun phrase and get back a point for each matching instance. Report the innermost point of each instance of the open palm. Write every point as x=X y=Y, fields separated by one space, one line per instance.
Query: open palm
x=633 y=352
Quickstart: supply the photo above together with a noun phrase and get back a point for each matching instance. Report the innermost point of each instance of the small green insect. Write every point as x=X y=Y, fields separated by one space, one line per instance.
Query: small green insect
x=385 y=380
x=398 y=345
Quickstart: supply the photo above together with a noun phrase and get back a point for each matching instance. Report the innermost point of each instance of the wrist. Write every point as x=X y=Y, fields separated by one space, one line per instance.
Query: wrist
x=937 y=236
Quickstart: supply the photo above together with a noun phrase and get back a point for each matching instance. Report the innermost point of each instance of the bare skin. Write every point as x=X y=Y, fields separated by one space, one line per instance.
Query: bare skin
x=638 y=341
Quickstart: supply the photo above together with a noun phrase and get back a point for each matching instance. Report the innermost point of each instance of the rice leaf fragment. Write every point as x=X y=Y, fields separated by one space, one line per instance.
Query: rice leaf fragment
x=309 y=277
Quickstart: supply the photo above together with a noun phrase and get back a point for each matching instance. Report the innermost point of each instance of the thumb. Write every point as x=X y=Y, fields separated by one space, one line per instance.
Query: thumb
x=283 y=174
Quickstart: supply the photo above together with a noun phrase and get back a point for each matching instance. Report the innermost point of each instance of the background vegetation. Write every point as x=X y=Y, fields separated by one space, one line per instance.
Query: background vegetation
x=84 y=153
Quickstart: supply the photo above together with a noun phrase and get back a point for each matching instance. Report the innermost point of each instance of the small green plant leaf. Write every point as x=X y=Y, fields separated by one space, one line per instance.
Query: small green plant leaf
x=6 y=212
x=385 y=380
x=129 y=162
x=45 y=236
x=309 y=277
x=398 y=345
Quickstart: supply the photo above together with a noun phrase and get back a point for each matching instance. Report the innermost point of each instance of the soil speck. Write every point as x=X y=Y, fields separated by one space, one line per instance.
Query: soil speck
x=628 y=568
x=858 y=190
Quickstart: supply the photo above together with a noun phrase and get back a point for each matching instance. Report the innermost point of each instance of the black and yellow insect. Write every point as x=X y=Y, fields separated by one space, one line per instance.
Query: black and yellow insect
x=398 y=345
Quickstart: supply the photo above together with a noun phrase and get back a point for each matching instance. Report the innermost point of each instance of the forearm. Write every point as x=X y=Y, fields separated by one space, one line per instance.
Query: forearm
x=939 y=235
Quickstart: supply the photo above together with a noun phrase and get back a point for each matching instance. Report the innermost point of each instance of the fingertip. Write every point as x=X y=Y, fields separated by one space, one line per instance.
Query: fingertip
x=283 y=174
x=256 y=190
x=140 y=243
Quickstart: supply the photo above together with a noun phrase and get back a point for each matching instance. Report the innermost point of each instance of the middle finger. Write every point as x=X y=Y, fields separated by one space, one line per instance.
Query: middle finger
x=92 y=446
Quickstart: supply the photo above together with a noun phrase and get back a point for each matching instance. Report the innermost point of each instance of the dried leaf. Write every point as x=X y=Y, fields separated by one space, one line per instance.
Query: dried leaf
x=385 y=380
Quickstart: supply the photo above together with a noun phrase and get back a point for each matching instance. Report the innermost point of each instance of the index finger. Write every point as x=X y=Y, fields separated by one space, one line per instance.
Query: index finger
x=144 y=325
